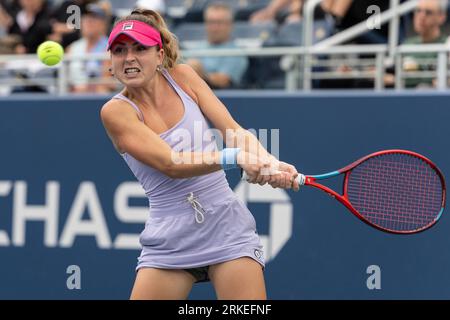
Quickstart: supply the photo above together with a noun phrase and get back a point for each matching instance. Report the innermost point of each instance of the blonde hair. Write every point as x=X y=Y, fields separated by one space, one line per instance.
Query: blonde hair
x=169 y=41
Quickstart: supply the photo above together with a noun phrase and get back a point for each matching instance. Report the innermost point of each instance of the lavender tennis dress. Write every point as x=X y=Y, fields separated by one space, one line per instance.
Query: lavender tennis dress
x=193 y=222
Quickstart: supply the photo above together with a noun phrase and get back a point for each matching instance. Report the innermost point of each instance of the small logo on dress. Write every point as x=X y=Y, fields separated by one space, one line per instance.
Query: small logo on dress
x=127 y=26
x=258 y=253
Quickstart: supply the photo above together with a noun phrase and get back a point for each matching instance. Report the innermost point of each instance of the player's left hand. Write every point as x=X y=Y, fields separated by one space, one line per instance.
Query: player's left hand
x=265 y=173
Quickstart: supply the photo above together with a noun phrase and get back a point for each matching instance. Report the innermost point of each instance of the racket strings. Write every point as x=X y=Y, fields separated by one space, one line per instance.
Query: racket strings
x=398 y=192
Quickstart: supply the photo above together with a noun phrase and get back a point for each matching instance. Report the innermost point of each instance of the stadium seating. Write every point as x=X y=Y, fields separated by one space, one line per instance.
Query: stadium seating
x=252 y=35
x=244 y=8
x=266 y=72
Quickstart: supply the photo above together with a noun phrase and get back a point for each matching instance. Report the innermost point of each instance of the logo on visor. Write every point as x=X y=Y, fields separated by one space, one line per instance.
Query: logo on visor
x=127 y=26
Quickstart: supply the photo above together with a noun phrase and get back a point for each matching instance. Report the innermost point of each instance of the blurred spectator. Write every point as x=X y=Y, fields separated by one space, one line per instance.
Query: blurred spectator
x=5 y=21
x=270 y=12
x=25 y=73
x=429 y=17
x=9 y=44
x=111 y=17
x=10 y=6
x=295 y=12
x=156 y=5
x=94 y=25
x=345 y=14
x=62 y=32
x=31 y=23
x=337 y=8
x=219 y=72
x=8 y=9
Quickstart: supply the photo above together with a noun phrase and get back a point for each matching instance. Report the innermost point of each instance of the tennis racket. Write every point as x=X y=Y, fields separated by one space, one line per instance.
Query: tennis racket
x=396 y=191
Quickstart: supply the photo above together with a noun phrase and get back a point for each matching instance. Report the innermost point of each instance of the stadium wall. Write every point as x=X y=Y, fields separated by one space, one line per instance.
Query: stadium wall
x=69 y=205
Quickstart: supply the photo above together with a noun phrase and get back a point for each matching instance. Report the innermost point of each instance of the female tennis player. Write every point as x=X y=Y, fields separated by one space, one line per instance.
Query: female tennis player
x=197 y=229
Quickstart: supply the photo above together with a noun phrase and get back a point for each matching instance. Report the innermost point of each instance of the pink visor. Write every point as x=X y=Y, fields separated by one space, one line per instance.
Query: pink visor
x=137 y=30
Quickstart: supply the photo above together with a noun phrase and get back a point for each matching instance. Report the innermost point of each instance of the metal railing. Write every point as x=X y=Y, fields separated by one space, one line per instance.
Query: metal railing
x=323 y=63
x=302 y=65
x=392 y=15
x=441 y=64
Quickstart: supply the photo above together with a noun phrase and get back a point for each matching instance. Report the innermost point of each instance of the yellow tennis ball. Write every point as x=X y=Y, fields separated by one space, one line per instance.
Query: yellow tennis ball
x=50 y=53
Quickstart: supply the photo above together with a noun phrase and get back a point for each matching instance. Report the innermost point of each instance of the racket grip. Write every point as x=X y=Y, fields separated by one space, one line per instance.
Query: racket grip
x=300 y=178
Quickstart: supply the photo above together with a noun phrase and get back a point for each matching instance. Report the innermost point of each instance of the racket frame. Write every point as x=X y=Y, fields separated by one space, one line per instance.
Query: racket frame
x=310 y=180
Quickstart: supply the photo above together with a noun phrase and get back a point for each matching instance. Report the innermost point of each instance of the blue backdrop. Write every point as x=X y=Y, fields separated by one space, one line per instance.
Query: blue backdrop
x=66 y=199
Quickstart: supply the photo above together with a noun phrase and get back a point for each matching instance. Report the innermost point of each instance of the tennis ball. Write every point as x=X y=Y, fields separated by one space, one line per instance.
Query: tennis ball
x=50 y=53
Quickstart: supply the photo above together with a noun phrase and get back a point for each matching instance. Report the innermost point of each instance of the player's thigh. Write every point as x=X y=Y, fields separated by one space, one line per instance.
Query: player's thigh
x=152 y=283
x=241 y=279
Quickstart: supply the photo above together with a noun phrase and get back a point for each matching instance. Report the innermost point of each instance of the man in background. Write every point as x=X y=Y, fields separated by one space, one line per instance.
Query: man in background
x=94 y=26
x=429 y=17
x=219 y=72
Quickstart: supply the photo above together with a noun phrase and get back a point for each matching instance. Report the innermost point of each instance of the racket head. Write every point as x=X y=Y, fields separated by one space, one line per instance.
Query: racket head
x=396 y=191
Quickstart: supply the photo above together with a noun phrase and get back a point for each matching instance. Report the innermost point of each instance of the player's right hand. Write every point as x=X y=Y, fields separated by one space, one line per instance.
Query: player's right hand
x=257 y=168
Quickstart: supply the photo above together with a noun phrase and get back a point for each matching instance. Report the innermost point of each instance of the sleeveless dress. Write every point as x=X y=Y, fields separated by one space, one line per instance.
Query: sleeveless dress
x=193 y=222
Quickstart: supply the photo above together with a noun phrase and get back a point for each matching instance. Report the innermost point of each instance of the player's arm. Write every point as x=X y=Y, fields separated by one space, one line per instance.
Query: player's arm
x=132 y=136
x=233 y=134
x=269 y=12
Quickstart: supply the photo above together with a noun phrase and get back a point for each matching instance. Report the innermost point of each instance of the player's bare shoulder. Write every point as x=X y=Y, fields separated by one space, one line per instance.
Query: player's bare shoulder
x=183 y=71
x=115 y=110
x=186 y=78
x=110 y=108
